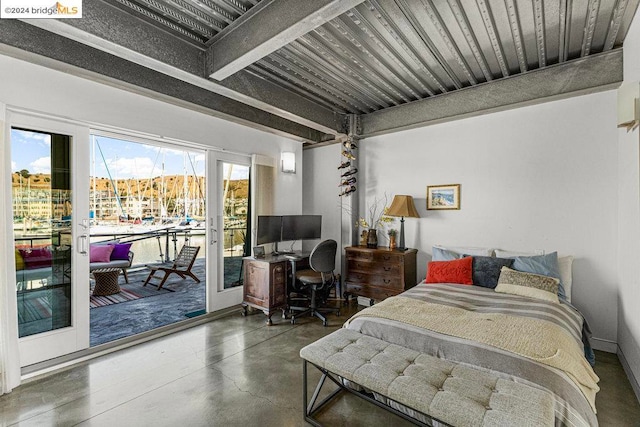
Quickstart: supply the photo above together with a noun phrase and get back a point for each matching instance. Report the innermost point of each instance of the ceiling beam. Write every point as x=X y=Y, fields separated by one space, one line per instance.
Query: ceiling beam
x=586 y=75
x=32 y=44
x=267 y=27
x=114 y=31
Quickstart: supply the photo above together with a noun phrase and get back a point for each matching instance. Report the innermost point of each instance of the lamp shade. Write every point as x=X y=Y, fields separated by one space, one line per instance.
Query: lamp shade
x=403 y=206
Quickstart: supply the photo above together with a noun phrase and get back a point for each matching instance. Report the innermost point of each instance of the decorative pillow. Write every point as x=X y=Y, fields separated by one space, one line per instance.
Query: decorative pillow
x=545 y=265
x=460 y=250
x=486 y=270
x=528 y=285
x=120 y=251
x=566 y=278
x=36 y=257
x=512 y=254
x=442 y=254
x=100 y=253
x=456 y=271
x=20 y=265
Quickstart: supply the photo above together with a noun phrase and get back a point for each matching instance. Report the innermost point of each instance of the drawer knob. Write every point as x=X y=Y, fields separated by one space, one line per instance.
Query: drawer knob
x=386 y=258
x=386 y=268
x=386 y=281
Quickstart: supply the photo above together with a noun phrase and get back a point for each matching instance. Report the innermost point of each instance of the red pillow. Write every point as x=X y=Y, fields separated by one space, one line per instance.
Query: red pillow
x=456 y=271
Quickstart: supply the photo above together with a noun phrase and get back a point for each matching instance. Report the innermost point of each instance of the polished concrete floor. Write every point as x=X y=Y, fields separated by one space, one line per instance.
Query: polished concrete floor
x=229 y=372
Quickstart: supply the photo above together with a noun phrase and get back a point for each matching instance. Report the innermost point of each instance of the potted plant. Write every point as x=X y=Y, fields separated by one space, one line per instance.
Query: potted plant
x=377 y=217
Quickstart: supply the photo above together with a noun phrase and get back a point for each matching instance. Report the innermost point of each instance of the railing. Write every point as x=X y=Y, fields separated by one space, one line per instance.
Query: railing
x=167 y=239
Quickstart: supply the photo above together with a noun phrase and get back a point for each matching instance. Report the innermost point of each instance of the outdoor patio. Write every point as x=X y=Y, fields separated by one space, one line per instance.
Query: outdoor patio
x=138 y=308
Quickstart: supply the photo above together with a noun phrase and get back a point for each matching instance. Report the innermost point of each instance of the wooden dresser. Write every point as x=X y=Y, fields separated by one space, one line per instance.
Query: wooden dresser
x=265 y=284
x=379 y=273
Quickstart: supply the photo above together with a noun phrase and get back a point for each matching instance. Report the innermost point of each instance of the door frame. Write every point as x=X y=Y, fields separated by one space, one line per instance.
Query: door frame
x=48 y=345
x=219 y=298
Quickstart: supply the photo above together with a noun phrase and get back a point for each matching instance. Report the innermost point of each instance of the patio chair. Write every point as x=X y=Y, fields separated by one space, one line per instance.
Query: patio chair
x=180 y=266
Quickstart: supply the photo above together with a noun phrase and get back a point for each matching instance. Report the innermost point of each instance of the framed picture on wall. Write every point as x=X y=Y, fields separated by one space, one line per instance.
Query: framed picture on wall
x=443 y=196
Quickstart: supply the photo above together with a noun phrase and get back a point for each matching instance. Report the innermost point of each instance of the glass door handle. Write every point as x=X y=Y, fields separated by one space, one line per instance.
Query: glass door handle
x=214 y=233
x=82 y=244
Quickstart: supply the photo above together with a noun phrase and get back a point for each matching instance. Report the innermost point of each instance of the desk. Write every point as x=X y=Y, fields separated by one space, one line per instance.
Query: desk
x=265 y=282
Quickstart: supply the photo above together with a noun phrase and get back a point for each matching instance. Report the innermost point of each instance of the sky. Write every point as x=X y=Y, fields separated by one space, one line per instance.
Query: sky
x=122 y=159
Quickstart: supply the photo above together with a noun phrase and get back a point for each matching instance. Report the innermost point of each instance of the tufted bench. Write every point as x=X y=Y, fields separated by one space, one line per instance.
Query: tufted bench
x=444 y=391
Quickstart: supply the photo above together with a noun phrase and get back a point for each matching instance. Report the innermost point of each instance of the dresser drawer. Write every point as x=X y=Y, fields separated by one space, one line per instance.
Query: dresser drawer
x=375 y=293
x=386 y=281
x=357 y=265
x=388 y=258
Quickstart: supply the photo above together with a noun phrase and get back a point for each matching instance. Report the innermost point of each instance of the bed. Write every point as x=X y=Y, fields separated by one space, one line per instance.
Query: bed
x=527 y=340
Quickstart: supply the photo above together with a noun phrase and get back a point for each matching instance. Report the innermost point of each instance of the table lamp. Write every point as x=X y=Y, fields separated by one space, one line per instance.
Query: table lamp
x=402 y=206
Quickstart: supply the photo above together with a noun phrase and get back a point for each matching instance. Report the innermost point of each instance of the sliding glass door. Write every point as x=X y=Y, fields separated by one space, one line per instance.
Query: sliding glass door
x=50 y=237
x=230 y=226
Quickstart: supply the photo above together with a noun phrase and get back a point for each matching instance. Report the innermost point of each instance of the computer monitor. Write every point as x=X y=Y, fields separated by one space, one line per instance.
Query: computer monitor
x=301 y=227
x=269 y=229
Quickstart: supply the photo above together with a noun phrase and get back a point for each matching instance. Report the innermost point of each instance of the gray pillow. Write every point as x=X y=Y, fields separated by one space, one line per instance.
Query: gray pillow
x=486 y=270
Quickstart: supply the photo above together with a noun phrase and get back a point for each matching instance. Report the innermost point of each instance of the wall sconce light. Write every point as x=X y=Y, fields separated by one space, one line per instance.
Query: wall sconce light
x=288 y=162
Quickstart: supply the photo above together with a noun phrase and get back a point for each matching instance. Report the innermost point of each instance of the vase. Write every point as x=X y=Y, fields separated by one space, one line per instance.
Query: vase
x=392 y=242
x=372 y=238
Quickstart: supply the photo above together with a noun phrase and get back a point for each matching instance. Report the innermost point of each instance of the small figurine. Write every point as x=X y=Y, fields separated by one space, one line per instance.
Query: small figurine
x=364 y=236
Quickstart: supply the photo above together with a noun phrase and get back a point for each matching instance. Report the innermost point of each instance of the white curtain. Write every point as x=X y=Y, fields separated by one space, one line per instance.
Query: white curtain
x=9 y=355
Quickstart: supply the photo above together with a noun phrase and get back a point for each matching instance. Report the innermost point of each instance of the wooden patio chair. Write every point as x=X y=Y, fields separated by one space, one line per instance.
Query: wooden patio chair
x=180 y=266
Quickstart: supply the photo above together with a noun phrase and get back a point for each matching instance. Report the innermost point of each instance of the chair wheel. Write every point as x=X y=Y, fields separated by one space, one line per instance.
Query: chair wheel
x=293 y=320
x=324 y=323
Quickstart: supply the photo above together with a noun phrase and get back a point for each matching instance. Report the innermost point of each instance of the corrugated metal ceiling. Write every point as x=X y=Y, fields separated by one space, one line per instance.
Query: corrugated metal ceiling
x=384 y=53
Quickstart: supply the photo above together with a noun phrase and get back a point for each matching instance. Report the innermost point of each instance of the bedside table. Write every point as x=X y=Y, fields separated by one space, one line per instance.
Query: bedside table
x=378 y=273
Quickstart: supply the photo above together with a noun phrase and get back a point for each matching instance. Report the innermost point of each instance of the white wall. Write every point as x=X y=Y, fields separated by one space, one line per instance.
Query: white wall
x=540 y=177
x=629 y=223
x=320 y=195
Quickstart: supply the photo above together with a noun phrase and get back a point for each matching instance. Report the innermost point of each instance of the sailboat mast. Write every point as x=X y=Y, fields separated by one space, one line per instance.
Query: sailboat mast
x=93 y=175
x=185 y=186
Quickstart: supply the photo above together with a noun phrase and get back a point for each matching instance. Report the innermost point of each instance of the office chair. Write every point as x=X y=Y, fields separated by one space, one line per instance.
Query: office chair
x=320 y=280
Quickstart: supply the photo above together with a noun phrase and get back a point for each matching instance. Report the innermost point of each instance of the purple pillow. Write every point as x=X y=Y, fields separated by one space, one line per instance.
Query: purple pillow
x=36 y=257
x=100 y=253
x=120 y=251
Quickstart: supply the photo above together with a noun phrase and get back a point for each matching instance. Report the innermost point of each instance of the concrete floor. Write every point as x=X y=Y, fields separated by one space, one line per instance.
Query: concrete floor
x=233 y=371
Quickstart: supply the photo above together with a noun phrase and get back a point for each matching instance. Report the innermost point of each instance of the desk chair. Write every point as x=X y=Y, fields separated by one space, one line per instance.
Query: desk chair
x=320 y=279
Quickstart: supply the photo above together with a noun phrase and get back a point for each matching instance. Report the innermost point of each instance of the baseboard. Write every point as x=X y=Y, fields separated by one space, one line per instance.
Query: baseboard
x=604 y=345
x=627 y=369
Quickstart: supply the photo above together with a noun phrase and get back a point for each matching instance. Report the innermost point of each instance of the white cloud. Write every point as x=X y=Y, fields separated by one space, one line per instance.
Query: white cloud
x=41 y=165
x=135 y=167
x=28 y=137
x=238 y=172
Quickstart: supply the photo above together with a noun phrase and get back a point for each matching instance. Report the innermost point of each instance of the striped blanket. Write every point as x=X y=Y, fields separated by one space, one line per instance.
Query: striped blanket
x=438 y=337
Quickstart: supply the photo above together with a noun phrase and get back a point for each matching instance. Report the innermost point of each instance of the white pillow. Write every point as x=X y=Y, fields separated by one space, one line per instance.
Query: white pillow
x=510 y=254
x=468 y=251
x=564 y=267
